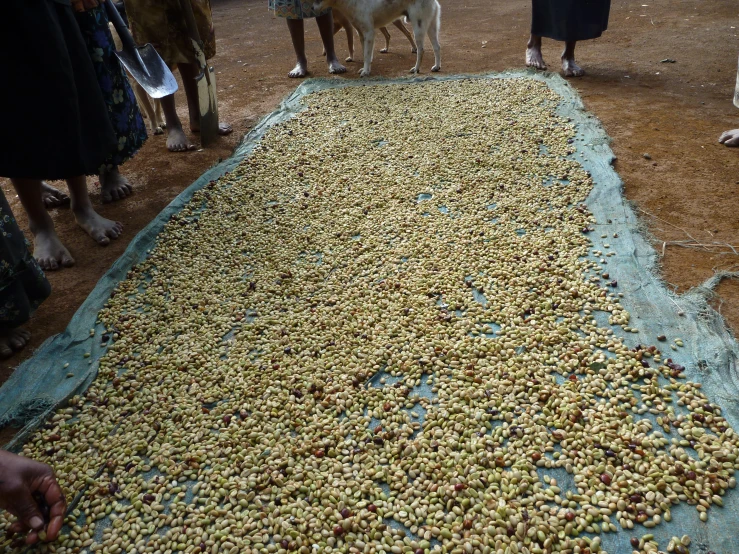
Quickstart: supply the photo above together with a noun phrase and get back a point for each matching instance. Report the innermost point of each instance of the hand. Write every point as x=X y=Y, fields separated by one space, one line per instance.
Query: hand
x=84 y=5
x=29 y=491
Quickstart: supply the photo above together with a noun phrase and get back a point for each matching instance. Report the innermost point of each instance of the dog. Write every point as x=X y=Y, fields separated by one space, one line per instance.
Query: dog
x=368 y=15
x=341 y=22
x=152 y=107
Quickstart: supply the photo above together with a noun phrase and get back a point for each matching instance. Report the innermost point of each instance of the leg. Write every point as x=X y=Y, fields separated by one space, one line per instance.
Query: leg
x=533 y=53
x=403 y=29
x=188 y=71
x=420 y=40
x=325 y=27
x=12 y=340
x=730 y=138
x=297 y=34
x=369 y=47
x=176 y=139
x=569 y=67
x=99 y=228
x=385 y=32
x=145 y=103
x=337 y=28
x=52 y=197
x=350 y=40
x=114 y=186
x=48 y=249
x=158 y=114
x=434 y=38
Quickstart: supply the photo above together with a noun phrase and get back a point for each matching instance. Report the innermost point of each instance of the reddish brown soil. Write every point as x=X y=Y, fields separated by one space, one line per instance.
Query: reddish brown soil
x=672 y=111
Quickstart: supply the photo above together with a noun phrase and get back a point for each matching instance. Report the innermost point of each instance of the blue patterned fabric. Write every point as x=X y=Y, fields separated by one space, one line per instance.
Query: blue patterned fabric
x=123 y=110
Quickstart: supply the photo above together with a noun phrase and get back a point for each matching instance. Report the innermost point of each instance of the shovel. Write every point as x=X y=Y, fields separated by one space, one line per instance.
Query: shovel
x=205 y=81
x=143 y=63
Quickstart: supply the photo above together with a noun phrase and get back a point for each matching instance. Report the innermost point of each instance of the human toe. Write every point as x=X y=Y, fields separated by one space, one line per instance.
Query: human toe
x=5 y=350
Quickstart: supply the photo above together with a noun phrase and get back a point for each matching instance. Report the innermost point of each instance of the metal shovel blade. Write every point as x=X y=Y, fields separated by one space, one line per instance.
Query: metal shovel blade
x=208 y=106
x=142 y=62
x=148 y=68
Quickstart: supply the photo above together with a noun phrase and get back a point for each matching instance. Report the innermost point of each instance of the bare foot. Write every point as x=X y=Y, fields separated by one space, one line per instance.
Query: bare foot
x=730 y=138
x=335 y=67
x=571 y=69
x=534 y=58
x=13 y=341
x=49 y=251
x=52 y=197
x=99 y=228
x=177 y=141
x=114 y=186
x=299 y=71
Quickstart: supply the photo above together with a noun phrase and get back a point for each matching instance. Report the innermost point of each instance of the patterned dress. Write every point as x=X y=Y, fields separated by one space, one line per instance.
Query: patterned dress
x=23 y=285
x=162 y=24
x=295 y=9
x=123 y=109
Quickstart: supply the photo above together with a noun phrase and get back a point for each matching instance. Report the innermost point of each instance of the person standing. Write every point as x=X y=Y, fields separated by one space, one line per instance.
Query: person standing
x=56 y=122
x=567 y=21
x=163 y=24
x=731 y=138
x=295 y=12
x=123 y=110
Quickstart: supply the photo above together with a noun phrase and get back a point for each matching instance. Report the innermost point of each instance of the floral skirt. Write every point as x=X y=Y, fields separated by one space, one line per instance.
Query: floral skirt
x=123 y=110
x=295 y=9
x=23 y=285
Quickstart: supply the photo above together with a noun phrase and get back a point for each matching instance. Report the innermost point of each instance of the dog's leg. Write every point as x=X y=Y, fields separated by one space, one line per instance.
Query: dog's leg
x=387 y=40
x=434 y=37
x=418 y=33
x=399 y=24
x=159 y=115
x=350 y=39
x=369 y=47
x=143 y=99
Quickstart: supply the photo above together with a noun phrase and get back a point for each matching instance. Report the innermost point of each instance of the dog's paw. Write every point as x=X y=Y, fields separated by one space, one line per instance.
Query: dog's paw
x=436 y=68
x=364 y=72
x=349 y=59
x=384 y=51
x=158 y=131
x=414 y=70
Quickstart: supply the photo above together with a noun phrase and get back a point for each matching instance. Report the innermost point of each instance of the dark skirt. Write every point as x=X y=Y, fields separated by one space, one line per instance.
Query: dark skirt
x=570 y=20
x=23 y=285
x=123 y=110
x=55 y=122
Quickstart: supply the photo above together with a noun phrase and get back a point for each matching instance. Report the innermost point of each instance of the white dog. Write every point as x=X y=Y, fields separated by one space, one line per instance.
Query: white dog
x=368 y=15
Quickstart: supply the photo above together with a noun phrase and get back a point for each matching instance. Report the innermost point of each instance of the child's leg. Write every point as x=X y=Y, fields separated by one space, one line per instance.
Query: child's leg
x=297 y=34
x=326 y=28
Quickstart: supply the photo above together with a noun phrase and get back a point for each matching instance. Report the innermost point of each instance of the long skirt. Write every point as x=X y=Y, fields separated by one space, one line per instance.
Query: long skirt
x=295 y=9
x=55 y=122
x=22 y=283
x=162 y=24
x=123 y=110
x=570 y=20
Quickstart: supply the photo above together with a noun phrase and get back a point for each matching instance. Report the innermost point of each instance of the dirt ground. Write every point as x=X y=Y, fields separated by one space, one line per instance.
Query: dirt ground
x=674 y=112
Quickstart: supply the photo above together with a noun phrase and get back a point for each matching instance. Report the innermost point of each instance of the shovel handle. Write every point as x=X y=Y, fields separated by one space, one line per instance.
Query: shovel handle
x=192 y=25
x=120 y=27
